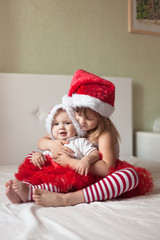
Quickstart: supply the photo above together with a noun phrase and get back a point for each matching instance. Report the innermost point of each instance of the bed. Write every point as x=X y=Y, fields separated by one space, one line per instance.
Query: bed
x=25 y=101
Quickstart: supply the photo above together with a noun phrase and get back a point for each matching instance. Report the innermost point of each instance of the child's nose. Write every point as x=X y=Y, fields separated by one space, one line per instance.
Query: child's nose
x=62 y=126
x=81 y=121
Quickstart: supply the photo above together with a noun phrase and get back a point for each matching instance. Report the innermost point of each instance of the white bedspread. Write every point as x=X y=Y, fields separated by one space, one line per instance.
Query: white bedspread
x=136 y=218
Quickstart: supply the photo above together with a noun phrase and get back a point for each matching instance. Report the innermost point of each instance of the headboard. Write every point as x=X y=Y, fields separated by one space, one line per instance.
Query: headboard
x=25 y=100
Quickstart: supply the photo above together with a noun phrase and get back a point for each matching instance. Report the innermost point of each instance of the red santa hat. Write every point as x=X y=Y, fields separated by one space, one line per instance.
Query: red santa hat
x=71 y=114
x=89 y=90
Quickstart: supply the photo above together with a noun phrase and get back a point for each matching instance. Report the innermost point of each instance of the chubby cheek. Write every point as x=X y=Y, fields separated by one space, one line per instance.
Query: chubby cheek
x=92 y=125
x=73 y=132
x=54 y=131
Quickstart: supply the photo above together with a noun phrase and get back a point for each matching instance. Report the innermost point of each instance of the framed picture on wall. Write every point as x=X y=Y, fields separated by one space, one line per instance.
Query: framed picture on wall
x=144 y=16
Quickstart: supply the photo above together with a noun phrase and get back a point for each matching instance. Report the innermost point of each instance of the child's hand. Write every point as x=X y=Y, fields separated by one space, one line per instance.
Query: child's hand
x=82 y=167
x=68 y=151
x=63 y=159
x=57 y=146
x=38 y=159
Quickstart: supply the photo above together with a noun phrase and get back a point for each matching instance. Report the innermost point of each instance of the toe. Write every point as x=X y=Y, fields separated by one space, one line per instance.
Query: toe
x=37 y=191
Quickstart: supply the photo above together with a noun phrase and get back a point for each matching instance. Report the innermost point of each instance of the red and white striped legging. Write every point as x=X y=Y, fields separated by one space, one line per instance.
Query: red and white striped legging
x=109 y=187
x=112 y=186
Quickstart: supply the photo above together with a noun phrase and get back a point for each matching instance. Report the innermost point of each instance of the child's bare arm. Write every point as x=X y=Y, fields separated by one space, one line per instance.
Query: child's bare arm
x=106 y=145
x=54 y=146
x=83 y=165
x=80 y=166
x=46 y=143
x=65 y=159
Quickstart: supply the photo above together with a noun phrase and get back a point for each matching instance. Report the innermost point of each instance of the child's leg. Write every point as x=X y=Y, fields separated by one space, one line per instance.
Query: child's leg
x=111 y=186
x=52 y=199
x=25 y=190
x=44 y=186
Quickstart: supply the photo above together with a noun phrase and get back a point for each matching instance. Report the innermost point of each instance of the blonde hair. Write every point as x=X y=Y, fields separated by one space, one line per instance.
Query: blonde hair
x=104 y=125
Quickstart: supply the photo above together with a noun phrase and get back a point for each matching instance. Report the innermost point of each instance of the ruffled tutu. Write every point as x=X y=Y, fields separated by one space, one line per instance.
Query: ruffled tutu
x=145 y=184
x=66 y=179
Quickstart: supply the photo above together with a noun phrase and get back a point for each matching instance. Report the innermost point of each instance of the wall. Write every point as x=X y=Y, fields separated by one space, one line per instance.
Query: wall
x=61 y=36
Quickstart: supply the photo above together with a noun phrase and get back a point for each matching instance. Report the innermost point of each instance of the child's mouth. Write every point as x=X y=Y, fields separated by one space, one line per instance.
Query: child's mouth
x=63 y=133
x=83 y=126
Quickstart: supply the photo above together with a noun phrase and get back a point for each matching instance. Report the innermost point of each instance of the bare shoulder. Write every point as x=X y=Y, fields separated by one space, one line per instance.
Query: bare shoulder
x=106 y=138
x=106 y=142
x=106 y=148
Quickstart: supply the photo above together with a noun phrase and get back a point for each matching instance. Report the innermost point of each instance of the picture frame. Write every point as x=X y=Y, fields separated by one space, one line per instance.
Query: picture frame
x=143 y=17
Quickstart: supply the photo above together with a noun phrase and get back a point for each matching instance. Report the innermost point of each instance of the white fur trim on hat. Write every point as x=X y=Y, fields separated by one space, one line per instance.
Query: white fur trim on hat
x=71 y=114
x=67 y=101
x=104 y=109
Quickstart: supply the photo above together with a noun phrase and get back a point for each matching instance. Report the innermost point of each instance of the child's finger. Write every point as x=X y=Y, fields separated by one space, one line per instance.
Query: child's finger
x=69 y=153
x=76 y=169
x=64 y=142
x=41 y=161
x=81 y=171
x=86 y=172
x=44 y=158
x=68 y=150
x=39 y=165
x=36 y=163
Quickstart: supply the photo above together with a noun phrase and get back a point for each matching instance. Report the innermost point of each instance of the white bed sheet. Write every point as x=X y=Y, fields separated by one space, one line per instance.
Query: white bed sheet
x=136 y=218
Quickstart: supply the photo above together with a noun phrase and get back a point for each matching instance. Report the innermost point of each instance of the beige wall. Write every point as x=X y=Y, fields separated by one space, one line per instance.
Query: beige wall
x=61 y=36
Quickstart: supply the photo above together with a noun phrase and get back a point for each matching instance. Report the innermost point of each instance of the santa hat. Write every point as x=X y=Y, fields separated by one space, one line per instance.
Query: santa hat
x=89 y=90
x=71 y=114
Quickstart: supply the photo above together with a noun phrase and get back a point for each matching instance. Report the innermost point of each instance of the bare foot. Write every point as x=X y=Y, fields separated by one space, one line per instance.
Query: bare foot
x=52 y=199
x=21 y=189
x=9 y=183
x=11 y=194
x=48 y=199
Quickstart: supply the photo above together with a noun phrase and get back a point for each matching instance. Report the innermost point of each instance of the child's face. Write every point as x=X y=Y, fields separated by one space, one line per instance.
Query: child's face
x=87 y=120
x=62 y=127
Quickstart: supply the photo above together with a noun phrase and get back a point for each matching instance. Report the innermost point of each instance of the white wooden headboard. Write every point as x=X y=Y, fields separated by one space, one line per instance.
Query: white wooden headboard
x=25 y=100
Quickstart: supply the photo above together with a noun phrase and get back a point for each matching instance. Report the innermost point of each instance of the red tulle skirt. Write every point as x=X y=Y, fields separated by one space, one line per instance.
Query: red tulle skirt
x=66 y=179
x=145 y=184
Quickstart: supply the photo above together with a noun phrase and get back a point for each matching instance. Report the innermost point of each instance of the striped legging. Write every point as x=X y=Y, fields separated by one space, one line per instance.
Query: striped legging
x=109 y=187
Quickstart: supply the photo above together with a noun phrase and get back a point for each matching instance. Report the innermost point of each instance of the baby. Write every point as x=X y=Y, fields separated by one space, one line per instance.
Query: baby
x=39 y=168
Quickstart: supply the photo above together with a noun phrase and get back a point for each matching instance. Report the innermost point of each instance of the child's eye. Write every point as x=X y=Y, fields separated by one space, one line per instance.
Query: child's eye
x=68 y=123
x=90 y=119
x=55 y=124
